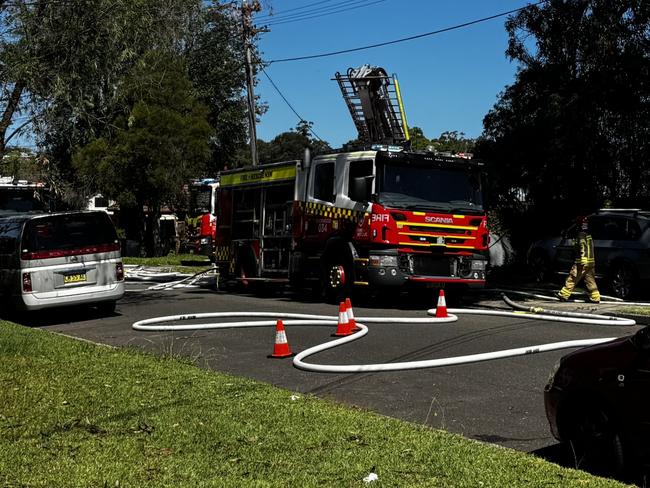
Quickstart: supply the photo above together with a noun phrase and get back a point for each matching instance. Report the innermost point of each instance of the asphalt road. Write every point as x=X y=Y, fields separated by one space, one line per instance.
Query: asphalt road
x=497 y=401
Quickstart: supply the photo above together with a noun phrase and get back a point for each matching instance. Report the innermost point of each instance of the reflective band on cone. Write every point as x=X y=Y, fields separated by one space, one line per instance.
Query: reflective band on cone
x=441 y=309
x=281 y=348
x=343 y=327
x=352 y=323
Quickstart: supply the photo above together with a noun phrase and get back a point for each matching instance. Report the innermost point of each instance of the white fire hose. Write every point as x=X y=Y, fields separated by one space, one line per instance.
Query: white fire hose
x=163 y=324
x=171 y=279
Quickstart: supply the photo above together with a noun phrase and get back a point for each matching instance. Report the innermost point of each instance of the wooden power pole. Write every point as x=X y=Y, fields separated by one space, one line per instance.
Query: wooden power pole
x=249 y=32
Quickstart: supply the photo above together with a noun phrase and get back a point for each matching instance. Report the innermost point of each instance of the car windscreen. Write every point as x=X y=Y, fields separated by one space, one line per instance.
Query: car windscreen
x=54 y=234
x=427 y=187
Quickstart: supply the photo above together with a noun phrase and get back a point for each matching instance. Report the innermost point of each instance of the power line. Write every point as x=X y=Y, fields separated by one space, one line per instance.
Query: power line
x=290 y=106
x=281 y=12
x=364 y=3
x=404 y=39
x=316 y=11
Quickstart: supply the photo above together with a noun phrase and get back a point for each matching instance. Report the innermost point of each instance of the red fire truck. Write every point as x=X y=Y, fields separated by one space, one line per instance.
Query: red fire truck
x=201 y=219
x=380 y=217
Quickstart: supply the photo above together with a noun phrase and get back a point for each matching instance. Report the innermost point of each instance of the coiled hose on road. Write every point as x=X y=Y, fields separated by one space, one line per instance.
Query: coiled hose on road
x=164 y=324
x=171 y=280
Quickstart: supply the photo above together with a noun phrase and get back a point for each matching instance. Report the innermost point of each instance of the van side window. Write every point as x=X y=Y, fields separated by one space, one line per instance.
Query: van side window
x=359 y=169
x=324 y=182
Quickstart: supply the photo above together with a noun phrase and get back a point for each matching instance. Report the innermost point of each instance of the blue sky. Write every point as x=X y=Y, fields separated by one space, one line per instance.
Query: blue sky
x=449 y=81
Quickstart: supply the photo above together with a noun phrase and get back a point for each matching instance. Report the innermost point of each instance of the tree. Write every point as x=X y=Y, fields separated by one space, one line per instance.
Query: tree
x=216 y=67
x=573 y=130
x=154 y=147
x=419 y=142
x=22 y=164
x=61 y=61
x=291 y=145
x=454 y=142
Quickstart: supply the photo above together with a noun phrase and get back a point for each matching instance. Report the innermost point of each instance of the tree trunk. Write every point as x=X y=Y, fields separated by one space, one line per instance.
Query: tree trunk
x=8 y=114
x=152 y=235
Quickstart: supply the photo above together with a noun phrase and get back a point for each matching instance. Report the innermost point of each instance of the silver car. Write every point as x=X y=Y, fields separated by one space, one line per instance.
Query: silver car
x=621 y=247
x=57 y=259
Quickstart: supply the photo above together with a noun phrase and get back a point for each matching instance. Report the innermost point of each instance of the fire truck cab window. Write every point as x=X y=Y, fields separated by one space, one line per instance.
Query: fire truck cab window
x=324 y=182
x=359 y=180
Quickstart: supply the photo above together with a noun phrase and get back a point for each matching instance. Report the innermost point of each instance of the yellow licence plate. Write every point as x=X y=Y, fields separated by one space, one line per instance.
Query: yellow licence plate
x=75 y=278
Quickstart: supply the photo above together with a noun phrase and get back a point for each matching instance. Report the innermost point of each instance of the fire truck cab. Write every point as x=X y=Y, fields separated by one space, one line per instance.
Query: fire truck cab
x=388 y=218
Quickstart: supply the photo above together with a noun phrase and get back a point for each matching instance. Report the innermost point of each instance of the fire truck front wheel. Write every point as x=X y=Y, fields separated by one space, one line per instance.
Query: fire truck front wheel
x=337 y=280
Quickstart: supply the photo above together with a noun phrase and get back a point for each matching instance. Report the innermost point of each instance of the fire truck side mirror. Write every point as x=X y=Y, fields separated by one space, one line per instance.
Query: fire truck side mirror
x=306 y=160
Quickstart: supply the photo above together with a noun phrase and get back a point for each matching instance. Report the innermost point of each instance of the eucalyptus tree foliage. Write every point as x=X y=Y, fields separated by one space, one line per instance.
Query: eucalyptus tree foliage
x=62 y=62
x=291 y=145
x=216 y=63
x=573 y=130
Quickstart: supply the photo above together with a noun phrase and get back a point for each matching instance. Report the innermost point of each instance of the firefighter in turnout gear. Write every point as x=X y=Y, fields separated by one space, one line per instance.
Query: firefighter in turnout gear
x=584 y=266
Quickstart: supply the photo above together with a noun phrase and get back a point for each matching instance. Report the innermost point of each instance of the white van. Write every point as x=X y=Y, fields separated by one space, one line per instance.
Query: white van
x=57 y=259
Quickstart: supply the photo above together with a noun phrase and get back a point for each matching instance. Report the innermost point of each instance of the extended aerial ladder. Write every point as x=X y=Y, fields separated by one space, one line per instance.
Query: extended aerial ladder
x=375 y=104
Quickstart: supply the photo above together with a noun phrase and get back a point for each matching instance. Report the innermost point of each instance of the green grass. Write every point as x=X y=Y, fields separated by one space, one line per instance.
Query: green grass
x=78 y=415
x=169 y=260
x=635 y=310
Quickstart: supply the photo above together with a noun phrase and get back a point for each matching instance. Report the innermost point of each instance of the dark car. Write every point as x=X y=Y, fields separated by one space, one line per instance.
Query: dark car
x=621 y=247
x=597 y=400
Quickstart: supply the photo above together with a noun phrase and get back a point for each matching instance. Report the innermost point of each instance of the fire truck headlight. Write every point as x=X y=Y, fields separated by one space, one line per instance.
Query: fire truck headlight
x=478 y=265
x=204 y=240
x=383 y=261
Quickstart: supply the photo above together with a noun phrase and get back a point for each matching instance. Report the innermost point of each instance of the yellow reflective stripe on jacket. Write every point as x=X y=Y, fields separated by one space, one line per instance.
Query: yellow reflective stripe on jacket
x=585 y=250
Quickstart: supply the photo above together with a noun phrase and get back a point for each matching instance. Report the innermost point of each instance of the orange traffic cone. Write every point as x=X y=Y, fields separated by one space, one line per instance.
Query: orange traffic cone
x=343 y=327
x=441 y=309
x=281 y=348
x=352 y=323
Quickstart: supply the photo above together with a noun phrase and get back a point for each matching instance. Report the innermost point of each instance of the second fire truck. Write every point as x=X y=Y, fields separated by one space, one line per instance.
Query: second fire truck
x=380 y=217
x=201 y=218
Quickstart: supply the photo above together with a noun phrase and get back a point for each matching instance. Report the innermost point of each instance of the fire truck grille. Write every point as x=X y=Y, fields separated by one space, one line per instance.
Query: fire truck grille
x=442 y=230
x=425 y=265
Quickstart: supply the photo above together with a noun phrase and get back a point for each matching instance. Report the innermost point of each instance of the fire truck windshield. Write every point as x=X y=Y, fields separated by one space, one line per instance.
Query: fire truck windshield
x=433 y=188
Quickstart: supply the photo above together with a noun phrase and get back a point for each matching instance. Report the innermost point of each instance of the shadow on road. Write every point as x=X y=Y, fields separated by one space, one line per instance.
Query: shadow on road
x=82 y=313
x=407 y=299
x=56 y=316
x=563 y=455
